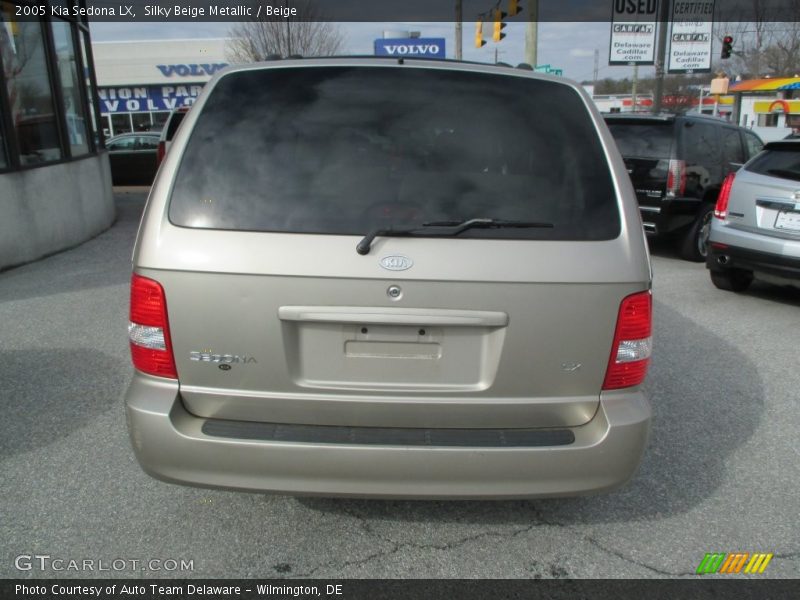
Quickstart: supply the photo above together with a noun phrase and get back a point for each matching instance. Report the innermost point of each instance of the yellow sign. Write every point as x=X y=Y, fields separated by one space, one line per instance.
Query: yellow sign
x=777 y=107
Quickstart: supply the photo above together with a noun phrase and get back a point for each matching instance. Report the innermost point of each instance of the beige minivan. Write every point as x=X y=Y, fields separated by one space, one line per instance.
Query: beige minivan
x=391 y=278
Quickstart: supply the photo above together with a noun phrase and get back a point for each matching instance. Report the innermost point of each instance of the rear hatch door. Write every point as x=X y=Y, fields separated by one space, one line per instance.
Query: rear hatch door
x=766 y=194
x=275 y=316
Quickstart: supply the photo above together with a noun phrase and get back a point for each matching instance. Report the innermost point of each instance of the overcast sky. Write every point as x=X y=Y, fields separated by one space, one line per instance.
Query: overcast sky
x=567 y=46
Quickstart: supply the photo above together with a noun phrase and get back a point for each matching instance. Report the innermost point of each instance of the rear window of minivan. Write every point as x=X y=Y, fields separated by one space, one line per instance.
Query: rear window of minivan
x=344 y=150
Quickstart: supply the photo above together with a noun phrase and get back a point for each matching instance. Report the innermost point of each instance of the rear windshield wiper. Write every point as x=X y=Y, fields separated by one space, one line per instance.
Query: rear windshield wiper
x=445 y=228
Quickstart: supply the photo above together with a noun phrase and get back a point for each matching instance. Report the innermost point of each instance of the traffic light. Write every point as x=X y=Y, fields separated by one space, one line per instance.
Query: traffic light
x=479 y=41
x=514 y=8
x=727 y=46
x=498 y=34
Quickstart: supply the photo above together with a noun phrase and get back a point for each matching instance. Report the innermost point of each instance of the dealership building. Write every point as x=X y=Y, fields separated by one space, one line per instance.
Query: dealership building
x=140 y=82
x=55 y=182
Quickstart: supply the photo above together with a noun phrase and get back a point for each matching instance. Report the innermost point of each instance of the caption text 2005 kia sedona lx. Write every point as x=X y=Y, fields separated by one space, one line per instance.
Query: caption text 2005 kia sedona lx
x=391 y=278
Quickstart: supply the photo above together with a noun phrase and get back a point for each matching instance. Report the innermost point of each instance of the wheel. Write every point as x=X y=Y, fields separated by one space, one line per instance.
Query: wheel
x=732 y=280
x=694 y=246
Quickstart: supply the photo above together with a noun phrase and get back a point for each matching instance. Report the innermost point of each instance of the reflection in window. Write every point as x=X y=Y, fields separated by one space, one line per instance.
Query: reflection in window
x=83 y=36
x=75 y=118
x=28 y=88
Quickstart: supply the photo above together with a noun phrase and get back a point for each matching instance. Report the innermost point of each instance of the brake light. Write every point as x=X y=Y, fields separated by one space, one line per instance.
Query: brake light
x=676 y=178
x=161 y=152
x=721 y=209
x=148 y=330
x=633 y=343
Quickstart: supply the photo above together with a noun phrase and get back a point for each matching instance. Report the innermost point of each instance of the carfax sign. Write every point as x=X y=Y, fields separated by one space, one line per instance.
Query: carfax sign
x=410 y=47
x=633 y=32
x=691 y=36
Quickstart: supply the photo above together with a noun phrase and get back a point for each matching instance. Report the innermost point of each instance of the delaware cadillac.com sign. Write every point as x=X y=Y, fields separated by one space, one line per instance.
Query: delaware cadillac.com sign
x=691 y=36
x=633 y=32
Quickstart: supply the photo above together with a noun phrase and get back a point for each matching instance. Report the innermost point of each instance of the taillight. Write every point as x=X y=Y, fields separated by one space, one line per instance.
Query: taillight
x=161 y=152
x=721 y=209
x=148 y=330
x=633 y=343
x=676 y=178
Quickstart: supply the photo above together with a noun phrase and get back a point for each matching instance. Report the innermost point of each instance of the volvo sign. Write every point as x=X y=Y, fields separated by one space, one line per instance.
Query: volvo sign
x=410 y=47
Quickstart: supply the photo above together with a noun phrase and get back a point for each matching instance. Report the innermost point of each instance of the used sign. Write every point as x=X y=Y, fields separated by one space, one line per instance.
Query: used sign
x=633 y=32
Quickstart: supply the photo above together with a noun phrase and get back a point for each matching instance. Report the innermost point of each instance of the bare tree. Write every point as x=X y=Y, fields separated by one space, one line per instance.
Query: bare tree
x=766 y=38
x=305 y=34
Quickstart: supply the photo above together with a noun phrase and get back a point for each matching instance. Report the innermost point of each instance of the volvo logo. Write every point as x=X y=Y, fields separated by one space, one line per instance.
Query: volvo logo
x=396 y=262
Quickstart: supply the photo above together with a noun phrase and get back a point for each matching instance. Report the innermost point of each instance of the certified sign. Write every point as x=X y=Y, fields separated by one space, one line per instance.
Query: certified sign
x=633 y=32
x=690 y=39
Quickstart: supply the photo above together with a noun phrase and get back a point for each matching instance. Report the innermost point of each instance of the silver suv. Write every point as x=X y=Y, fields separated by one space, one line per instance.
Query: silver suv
x=756 y=229
x=391 y=278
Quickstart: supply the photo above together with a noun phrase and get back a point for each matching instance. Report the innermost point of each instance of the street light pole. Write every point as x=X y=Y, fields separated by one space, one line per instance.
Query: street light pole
x=661 y=53
x=459 y=19
x=532 y=33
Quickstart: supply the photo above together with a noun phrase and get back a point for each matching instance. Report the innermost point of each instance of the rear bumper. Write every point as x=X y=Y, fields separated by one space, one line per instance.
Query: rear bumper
x=171 y=445
x=733 y=249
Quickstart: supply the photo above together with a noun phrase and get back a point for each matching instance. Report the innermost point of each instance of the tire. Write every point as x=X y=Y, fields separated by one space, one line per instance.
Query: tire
x=694 y=245
x=732 y=280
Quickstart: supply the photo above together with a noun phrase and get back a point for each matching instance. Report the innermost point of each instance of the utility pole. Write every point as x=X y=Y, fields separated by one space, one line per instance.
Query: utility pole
x=635 y=81
x=458 y=29
x=661 y=53
x=532 y=33
x=596 y=65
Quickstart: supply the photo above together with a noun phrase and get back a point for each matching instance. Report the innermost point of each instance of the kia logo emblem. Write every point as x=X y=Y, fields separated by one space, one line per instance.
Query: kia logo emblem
x=396 y=262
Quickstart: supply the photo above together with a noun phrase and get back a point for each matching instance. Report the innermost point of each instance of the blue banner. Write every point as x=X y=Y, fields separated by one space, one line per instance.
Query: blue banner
x=147 y=98
x=410 y=47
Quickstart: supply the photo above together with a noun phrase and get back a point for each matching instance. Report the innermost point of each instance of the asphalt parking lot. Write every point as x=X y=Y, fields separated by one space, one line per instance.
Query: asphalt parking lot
x=721 y=473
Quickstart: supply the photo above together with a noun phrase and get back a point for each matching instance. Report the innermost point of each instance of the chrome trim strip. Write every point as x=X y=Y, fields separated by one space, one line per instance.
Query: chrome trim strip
x=777 y=203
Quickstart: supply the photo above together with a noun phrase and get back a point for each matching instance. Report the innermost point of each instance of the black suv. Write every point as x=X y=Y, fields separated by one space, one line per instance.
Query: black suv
x=677 y=164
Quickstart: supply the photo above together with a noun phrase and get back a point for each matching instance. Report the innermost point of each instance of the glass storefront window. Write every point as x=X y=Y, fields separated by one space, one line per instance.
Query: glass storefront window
x=121 y=123
x=77 y=133
x=106 y=124
x=82 y=35
x=159 y=118
x=28 y=88
x=142 y=122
